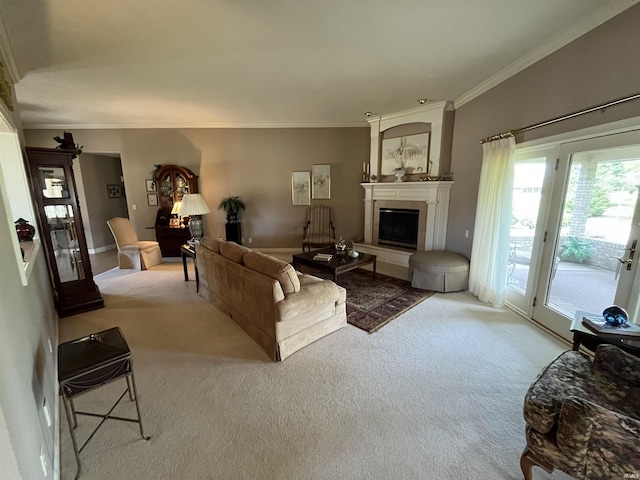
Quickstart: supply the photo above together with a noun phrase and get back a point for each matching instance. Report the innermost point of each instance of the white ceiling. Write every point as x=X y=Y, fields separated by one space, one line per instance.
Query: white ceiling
x=204 y=63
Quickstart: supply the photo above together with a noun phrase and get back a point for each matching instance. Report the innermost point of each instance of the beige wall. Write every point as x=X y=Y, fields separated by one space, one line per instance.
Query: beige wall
x=600 y=66
x=98 y=171
x=27 y=367
x=255 y=164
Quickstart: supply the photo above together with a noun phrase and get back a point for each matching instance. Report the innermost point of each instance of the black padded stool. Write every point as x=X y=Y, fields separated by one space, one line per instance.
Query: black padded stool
x=88 y=363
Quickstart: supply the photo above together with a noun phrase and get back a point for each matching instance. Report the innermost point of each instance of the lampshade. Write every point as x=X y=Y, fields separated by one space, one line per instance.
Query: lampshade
x=193 y=204
x=176 y=208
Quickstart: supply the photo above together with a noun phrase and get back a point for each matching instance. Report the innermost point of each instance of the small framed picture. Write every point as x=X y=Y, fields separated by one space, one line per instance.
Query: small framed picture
x=174 y=222
x=301 y=188
x=321 y=182
x=151 y=185
x=152 y=199
x=114 y=191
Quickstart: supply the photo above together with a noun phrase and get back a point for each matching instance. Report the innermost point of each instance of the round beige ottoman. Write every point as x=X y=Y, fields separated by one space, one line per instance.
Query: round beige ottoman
x=439 y=270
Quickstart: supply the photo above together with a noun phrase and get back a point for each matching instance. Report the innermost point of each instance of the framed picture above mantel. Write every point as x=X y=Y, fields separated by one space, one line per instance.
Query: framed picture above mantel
x=410 y=152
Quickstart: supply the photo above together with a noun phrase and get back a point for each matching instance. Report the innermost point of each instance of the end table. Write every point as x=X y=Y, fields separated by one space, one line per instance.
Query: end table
x=187 y=250
x=91 y=362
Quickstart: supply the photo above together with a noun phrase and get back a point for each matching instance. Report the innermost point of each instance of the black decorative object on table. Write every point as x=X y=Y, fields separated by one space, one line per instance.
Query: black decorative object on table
x=615 y=315
x=24 y=230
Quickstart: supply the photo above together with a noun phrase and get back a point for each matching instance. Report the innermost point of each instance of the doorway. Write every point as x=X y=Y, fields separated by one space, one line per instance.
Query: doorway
x=576 y=217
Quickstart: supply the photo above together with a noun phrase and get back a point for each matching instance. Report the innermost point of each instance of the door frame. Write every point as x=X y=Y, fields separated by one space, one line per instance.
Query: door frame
x=542 y=254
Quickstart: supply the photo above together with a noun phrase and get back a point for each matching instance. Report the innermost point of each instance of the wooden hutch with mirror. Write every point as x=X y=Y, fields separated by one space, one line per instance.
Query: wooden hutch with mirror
x=172 y=182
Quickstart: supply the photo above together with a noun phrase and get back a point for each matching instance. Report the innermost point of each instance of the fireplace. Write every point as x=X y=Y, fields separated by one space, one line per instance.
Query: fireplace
x=398 y=227
x=430 y=199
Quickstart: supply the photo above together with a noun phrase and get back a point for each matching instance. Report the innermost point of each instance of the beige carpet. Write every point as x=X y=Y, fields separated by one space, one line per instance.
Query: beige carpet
x=436 y=394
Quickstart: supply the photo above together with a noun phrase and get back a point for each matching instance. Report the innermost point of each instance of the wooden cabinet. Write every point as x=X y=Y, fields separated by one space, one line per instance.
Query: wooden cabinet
x=54 y=191
x=173 y=181
x=171 y=239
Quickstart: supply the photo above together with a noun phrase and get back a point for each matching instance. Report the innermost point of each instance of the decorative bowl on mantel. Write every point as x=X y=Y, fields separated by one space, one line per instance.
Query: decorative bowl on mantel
x=399 y=173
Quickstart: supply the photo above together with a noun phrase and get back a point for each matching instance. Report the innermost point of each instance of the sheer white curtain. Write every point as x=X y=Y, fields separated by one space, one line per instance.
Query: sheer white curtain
x=490 y=252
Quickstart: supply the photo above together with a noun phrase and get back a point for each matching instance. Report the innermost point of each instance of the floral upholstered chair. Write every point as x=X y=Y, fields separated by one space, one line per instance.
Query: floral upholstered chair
x=583 y=416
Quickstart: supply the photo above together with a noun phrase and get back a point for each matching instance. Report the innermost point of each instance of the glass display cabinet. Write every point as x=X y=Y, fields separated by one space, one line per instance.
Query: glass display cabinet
x=173 y=182
x=54 y=191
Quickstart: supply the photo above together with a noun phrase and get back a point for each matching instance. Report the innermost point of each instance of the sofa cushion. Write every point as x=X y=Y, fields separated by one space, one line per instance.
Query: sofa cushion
x=274 y=268
x=233 y=251
x=211 y=243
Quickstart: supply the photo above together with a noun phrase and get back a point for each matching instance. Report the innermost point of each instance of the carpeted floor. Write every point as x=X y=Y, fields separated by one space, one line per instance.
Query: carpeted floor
x=436 y=394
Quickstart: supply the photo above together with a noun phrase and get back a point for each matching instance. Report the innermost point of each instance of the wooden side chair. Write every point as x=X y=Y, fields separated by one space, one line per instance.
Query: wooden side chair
x=319 y=231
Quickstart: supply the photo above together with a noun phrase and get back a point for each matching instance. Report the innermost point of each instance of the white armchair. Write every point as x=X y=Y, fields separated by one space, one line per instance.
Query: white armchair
x=133 y=253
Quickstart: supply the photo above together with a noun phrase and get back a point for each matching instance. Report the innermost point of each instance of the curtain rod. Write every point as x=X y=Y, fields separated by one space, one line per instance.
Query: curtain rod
x=561 y=118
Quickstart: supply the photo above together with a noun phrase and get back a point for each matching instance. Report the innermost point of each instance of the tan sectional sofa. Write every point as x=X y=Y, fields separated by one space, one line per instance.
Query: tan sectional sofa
x=281 y=309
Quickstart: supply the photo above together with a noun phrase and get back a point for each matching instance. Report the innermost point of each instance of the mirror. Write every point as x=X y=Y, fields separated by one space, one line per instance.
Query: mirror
x=64 y=239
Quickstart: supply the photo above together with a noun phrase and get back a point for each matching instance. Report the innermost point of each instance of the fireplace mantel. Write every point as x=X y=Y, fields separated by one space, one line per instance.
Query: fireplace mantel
x=433 y=235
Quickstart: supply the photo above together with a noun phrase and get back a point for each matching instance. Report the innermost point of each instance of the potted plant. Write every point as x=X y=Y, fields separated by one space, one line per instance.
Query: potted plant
x=232 y=206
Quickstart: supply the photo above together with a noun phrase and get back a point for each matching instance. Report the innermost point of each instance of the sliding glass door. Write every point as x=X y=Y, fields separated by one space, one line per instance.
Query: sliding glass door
x=580 y=252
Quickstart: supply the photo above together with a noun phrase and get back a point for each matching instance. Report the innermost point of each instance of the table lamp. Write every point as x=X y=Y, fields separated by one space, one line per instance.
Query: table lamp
x=176 y=211
x=194 y=206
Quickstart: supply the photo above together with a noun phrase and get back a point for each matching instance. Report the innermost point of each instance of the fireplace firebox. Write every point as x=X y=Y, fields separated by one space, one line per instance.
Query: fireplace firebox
x=398 y=227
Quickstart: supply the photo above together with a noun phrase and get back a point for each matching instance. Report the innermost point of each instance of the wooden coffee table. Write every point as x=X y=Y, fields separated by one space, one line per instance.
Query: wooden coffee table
x=340 y=263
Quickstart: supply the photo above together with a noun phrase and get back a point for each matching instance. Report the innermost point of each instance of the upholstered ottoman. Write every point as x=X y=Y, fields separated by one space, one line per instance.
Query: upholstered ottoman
x=439 y=270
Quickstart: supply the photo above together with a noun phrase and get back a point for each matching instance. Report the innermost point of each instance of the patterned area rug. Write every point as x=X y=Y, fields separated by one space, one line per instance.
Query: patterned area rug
x=371 y=304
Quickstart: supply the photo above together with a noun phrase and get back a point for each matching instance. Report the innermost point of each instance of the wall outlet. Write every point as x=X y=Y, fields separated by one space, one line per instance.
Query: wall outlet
x=466 y=234
x=50 y=346
x=134 y=207
x=250 y=240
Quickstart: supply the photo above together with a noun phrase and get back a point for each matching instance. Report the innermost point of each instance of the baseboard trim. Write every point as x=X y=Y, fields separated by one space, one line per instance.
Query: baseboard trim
x=106 y=248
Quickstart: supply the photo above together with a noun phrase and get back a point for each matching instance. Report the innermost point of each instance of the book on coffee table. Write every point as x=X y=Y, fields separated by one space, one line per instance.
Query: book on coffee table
x=323 y=257
x=599 y=325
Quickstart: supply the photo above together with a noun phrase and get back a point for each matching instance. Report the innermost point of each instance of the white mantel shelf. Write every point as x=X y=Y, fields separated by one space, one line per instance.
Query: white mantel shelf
x=432 y=199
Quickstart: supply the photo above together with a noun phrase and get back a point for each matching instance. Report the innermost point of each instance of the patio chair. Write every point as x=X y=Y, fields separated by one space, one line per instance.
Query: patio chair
x=319 y=231
x=133 y=253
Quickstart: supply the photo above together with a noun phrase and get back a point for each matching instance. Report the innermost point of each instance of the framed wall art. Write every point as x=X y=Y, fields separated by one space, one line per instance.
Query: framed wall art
x=321 y=182
x=152 y=199
x=410 y=152
x=301 y=188
x=114 y=191
x=151 y=185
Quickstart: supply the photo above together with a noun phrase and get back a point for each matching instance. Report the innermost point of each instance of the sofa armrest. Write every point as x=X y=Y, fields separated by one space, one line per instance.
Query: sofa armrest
x=617 y=362
x=601 y=443
x=562 y=378
x=310 y=296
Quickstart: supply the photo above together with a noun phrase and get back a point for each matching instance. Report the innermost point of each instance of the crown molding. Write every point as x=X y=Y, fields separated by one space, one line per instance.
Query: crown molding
x=116 y=126
x=426 y=108
x=6 y=51
x=598 y=17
